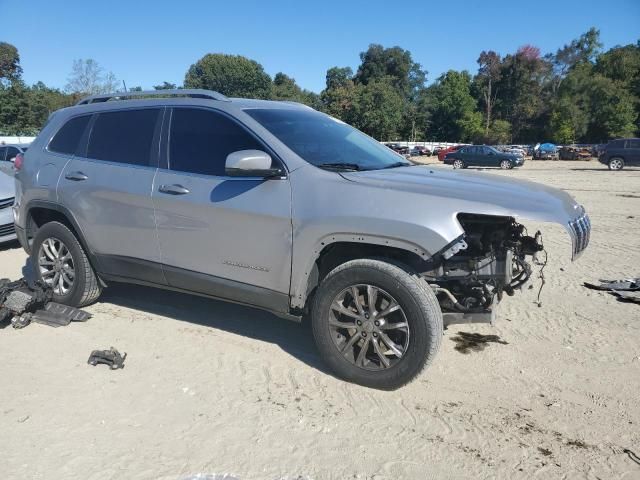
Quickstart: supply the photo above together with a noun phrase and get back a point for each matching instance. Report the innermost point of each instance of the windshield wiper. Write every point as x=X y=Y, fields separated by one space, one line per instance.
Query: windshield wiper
x=397 y=164
x=340 y=166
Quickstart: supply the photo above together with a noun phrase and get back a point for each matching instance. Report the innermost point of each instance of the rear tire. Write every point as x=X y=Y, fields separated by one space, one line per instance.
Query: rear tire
x=616 y=163
x=60 y=261
x=400 y=332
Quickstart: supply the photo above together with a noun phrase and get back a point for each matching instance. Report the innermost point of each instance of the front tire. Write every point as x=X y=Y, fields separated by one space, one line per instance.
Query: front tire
x=375 y=323
x=458 y=164
x=60 y=262
x=506 y=165
x=616 y=163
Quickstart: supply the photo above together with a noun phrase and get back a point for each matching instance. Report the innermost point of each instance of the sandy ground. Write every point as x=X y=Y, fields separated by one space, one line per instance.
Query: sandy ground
x=213 y=388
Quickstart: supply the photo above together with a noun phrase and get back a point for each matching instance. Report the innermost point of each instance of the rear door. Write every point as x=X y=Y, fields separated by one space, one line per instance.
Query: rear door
x=633 y=149
x=229 y=237
x=107 y=186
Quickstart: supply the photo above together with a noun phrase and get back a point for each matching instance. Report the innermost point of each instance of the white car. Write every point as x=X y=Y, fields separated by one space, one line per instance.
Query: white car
x=8 y=155
x=7 y=194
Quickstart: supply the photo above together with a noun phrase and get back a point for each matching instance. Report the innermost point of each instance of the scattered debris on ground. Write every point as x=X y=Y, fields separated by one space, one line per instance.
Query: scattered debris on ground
x=627 y=289
x=112 y=357
x=22 y=303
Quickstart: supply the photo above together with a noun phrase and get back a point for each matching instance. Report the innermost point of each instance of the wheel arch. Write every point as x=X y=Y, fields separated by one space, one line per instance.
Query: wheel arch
x=40 y=212
x=336 y=249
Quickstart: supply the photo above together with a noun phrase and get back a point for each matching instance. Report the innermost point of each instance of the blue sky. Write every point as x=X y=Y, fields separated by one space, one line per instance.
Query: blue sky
x=145 y=43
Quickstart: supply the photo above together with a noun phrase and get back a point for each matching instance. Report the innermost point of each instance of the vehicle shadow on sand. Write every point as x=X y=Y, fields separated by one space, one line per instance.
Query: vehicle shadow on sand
x=294 y=338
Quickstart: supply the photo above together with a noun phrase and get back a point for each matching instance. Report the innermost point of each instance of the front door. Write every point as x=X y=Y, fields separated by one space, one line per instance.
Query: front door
x=224 y=236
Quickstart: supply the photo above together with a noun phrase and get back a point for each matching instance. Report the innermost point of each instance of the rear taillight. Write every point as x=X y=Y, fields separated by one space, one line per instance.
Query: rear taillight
x=17 y=163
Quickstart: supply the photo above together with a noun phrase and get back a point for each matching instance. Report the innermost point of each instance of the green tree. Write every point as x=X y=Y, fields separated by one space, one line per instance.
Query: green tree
x=165 y=86
x=488 y=75
x=10 y=69
x=377 y=109
x=454 y=115
x=231 y=75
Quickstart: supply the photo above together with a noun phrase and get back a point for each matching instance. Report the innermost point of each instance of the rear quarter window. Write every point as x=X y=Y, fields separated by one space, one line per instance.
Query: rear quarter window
x=68 y=137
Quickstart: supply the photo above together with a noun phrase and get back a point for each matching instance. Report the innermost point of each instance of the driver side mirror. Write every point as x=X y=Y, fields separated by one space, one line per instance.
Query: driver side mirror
x=251 y=163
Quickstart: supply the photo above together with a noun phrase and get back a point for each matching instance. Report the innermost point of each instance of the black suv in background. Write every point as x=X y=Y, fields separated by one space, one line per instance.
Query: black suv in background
x=482 y=156
x=618 y=153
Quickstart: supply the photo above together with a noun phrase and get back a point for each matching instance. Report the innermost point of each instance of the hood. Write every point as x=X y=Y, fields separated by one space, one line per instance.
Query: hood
x=472 y=192
x=7 y=186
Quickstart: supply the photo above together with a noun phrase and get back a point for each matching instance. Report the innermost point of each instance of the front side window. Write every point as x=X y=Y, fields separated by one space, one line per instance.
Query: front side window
x=633 y=144
x=325 y=141
x=124 y=136
x=68 y=137
x=200 y=141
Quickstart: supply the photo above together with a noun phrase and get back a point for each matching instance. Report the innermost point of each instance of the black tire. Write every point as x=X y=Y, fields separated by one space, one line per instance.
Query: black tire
x=85 y=288
x=419 y=306
x=458 y=164
x=506 y=165
x=616 y=163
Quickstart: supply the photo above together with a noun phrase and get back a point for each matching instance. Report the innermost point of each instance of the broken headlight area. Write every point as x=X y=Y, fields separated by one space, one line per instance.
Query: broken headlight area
x=493 y=257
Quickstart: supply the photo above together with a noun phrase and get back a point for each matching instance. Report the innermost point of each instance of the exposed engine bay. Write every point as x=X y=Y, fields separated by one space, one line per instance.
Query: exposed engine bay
x=492 y=258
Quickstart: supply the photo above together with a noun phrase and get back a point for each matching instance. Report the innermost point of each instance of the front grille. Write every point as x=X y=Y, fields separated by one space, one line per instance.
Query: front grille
x=6 y=203
x=7 y=229
x=581 y=228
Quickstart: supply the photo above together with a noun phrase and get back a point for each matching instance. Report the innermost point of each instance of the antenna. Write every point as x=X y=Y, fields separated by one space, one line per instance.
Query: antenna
x=125 y=86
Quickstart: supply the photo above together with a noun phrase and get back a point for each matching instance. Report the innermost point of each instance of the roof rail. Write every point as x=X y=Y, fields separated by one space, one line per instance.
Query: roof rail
x=193 y=93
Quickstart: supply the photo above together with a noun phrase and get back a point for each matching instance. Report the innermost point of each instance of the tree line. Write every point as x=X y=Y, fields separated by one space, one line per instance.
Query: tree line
x=578 y=94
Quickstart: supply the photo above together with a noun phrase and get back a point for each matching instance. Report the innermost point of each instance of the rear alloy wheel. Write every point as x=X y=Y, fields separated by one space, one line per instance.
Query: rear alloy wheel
x=616 y=163
x=506 y=165
x=61 y=263
x=458 y=164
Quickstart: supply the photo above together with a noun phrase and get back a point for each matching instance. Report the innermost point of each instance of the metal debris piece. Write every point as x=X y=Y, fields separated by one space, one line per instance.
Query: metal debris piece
x=631 y=296
x=626 y=284
x=21 y=321
x=112 y=357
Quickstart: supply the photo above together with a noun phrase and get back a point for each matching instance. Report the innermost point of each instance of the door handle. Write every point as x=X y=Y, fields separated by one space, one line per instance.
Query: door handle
x=173 y=189
x=76 y=176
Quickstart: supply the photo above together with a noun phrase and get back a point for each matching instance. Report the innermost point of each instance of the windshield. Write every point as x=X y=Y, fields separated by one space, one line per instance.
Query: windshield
x=325 y=141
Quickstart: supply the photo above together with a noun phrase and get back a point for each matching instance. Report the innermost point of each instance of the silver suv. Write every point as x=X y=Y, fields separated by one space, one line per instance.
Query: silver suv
x=281 y=207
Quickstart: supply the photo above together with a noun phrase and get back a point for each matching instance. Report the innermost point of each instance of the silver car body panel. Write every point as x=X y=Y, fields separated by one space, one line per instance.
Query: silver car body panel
x=269 y=233
x=7 y=194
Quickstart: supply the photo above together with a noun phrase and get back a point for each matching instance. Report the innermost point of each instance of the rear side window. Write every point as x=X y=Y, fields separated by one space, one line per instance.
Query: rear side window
x=201 y=140
x=3 y=151
x=68 y=137
x=12 y=152
x=124 y=136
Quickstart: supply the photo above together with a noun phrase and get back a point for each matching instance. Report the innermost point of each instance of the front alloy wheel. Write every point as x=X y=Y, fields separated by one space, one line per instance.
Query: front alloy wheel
x=616 y=164
x=505 y=164
x=55 y=264
x=368 y=327
x=458 y=164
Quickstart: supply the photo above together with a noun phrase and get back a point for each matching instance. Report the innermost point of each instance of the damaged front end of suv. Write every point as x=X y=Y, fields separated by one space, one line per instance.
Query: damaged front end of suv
x=495 y=256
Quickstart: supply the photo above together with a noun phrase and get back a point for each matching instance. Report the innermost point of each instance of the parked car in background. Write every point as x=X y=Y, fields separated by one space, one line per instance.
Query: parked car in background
x=396 y=147
x=482 y=156
x=8 y=155
x=620 y=153
x=545 y=151
x=575 y=152
x=7 y=194
x=444 y=151
x=419 y=151
x=516 y=150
